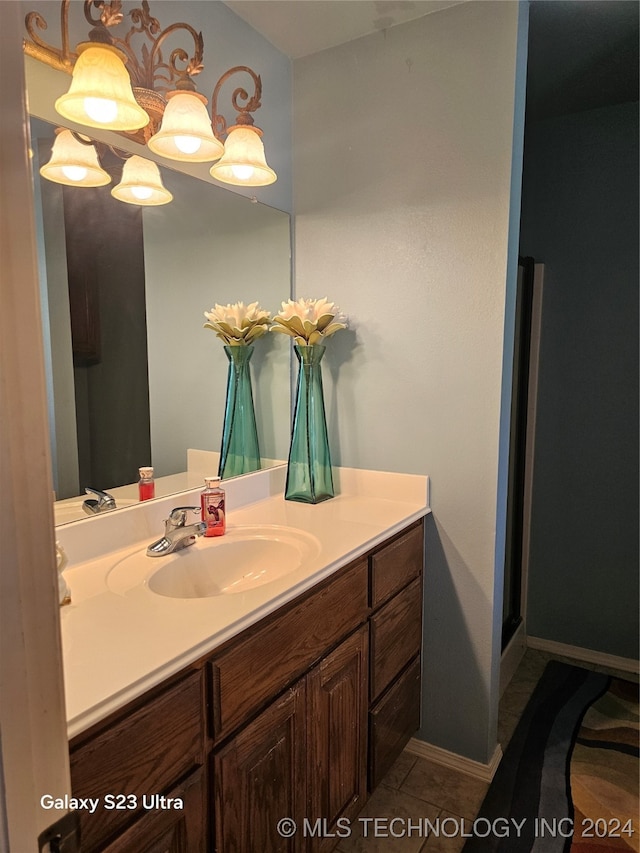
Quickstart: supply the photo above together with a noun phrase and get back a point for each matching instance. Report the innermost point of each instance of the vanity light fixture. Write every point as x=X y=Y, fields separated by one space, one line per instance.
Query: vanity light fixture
x=185 y=133
x=74 y=163
x=100 y=94
x=243 y=162
x=151 y=99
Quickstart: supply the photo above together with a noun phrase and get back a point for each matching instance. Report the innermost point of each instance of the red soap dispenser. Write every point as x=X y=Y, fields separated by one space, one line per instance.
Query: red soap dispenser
x=212 y=501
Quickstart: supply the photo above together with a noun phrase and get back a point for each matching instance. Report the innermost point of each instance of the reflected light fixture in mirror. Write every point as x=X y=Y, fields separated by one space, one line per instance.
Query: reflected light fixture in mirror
x=74 y=163
x=153 y=100
x=141 y=184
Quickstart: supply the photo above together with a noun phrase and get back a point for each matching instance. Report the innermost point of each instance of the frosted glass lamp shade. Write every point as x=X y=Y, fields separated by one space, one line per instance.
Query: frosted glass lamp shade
x=185 y=133
x=141 y=184
x=243 y=162
x=100 y=94
x=74 y=164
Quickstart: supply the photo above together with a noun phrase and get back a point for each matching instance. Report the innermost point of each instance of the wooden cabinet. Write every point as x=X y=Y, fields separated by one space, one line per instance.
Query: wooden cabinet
x=303 y=757
x=337 y=737
x=396 y=636
x=396 y=640
x=392 y=721
x=259 y=778
x=393 y=565
x=293 y=718
x=146 y=751
x=170 y=830
x=283 y=646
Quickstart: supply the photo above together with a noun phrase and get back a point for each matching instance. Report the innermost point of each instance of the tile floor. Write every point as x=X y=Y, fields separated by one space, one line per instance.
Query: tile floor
x=417 y=788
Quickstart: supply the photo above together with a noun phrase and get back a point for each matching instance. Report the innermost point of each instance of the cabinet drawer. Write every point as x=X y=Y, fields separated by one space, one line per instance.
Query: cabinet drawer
x=394 y=565
x=257 y=668
x=145 y=753
x=396 y=636
x=168 y=829
x=392 y=722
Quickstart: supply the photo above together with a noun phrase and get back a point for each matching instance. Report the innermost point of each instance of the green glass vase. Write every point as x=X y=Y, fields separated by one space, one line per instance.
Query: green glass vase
x=240 y=452
x=309 y=477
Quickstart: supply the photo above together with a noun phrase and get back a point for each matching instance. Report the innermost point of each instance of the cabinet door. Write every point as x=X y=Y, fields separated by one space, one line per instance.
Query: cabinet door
x=337 y=738
x=260 y=779
x=168 y=829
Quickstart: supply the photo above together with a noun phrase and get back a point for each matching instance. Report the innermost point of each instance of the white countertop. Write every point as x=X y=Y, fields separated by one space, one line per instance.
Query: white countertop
x=117 y=645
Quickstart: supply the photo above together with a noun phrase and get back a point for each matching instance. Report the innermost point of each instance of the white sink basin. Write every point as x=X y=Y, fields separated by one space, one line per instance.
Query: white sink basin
x=242 y=559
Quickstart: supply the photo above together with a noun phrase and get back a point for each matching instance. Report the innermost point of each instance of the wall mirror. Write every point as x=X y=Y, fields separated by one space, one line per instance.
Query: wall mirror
x=155 y=384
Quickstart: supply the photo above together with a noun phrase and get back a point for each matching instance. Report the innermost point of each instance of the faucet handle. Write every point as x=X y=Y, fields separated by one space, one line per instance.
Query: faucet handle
x=178 y=516
x=101 y=503
x=103 y=497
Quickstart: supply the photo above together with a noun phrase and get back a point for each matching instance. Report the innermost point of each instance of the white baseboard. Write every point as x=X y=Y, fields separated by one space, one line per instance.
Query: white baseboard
x=586 y=655
x=511 y=657
x=454 y=761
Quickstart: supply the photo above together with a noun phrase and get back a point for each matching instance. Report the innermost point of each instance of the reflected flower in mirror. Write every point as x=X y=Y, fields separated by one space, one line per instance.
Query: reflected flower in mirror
x=309 y=321
x=238 y=324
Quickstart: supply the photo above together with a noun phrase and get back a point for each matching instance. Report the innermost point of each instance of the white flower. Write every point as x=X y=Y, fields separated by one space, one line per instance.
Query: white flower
x=309 y=321
x=237 y=324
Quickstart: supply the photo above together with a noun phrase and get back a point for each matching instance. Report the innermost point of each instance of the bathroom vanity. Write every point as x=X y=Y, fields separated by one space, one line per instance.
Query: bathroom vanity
x=295 y=711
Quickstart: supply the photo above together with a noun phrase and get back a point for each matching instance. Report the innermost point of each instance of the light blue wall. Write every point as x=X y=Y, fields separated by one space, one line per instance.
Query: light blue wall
x=403 y=164
x=580 y=218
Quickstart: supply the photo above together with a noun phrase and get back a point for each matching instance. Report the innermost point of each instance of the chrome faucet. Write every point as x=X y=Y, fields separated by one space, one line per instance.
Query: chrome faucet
x=103 y=502
x=177 y=533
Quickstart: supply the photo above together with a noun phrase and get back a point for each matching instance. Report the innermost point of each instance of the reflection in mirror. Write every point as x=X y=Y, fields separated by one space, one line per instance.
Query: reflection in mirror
x=134 y=379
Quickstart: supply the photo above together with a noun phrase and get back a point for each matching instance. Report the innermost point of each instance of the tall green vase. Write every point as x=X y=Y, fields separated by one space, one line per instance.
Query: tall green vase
x=240 y=452
x=309 y=477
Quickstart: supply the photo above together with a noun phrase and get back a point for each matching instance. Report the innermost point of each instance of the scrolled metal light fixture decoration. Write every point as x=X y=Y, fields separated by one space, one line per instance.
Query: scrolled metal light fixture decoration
x=243 y=161
x=153 y=99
